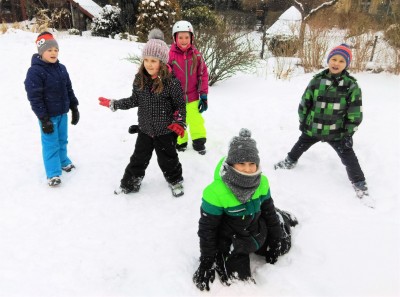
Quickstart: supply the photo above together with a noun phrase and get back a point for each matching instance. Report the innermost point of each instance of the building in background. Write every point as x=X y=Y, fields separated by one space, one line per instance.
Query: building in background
x=78 y=13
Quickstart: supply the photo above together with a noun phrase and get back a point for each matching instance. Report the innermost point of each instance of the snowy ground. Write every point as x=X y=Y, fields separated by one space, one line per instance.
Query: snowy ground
x=82 y=240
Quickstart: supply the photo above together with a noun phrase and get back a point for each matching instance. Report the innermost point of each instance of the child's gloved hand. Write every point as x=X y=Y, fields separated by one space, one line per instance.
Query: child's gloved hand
x=133 y=129
x=347 y=141
x=47 y=125
x=205 y=273
x=75 y=115
x=104 y=101
x=203 y=105
x=273 y=250
x=221 y=270
x=178 y=129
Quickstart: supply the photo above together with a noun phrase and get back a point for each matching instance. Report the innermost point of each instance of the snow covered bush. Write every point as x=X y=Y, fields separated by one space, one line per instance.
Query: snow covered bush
x=73 y=31
x=159 y=14
x=107 y=24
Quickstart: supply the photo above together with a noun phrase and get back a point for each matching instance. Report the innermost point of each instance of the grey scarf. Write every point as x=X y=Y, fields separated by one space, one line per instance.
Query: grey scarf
x=241 y=184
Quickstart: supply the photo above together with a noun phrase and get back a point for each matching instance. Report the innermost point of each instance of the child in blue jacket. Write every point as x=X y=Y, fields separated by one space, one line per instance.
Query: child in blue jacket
x=51 y=96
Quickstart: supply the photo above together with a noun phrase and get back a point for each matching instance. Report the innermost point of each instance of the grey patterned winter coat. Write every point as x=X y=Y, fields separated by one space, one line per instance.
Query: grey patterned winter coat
x=155 y=111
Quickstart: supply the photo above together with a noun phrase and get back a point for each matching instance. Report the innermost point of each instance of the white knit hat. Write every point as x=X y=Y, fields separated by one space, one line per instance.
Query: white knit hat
x=156 y=47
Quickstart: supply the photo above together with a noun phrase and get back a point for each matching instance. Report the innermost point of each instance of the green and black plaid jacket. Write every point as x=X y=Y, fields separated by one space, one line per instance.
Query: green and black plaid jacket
x=331 y=106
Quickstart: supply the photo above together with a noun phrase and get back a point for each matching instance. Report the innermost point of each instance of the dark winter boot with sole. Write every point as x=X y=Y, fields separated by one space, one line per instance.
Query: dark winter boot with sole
x=133 y=186
x=285 y=164
x=177 y=188
x=68 y=168
x=54 y=181
x=181 y=147
x=361 y=189
x=198 y=145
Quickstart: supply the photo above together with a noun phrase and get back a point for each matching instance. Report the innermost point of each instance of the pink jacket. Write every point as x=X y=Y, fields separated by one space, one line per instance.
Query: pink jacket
x=194 y=81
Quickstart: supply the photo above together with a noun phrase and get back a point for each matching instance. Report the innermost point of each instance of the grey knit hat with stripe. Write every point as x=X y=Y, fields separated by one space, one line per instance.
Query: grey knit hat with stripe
x=156 y=47
x=243 y=148
x=44 y=41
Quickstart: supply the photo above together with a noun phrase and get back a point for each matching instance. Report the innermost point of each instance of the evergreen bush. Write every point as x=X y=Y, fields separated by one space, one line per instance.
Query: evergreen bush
x=108 y=23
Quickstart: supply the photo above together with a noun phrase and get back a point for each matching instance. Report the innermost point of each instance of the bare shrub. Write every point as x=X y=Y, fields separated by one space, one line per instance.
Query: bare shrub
x=3 y=27
x=283 y=45
x=284 y=68
x=396 y=65
x=225 y=52
x=314 y=49
x=59 y=16
x=362 y=50
x=43 y=21
x=392 y=35
x=16 y=25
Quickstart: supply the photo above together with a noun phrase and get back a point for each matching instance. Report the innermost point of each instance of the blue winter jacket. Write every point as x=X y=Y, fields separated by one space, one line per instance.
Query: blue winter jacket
x=49 y=88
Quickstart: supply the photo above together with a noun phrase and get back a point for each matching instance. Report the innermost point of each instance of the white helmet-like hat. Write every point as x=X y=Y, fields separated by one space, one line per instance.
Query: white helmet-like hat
x=182 y=26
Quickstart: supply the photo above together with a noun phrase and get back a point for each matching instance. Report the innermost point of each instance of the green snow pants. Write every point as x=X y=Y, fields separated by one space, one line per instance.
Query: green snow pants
x=194 y=122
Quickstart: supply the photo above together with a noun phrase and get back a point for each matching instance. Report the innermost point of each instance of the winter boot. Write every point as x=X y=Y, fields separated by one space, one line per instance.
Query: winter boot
x=181 y=147
x=198 y=145
x=361 y=189
x=285 y=164
x=177 y=188
x=133 y=186
x=54 y=181
x=288 y=218
x=68 y=168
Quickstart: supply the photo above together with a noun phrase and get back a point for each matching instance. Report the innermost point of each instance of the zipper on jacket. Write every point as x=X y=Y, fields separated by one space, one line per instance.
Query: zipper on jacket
x=186 y=77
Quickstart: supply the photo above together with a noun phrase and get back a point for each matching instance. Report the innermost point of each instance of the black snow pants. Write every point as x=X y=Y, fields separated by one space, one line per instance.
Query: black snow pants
x=167 y=157
x=346 y=155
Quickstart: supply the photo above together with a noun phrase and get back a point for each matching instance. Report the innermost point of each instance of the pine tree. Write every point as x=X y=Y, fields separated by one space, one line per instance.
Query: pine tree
x=159 y=14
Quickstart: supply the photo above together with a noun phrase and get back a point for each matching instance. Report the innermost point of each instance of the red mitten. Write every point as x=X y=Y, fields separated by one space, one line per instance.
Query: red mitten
x=178 y=129
x=104 y=101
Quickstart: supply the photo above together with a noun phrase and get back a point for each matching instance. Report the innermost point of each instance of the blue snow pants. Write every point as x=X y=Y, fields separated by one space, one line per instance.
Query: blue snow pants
x=54 y=146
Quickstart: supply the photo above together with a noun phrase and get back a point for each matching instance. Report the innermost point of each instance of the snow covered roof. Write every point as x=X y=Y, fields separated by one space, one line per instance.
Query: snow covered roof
x=88 y=7
x=287 y=24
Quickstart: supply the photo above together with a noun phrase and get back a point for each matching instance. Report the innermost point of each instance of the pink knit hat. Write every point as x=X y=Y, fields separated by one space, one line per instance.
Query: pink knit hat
x=156 y=47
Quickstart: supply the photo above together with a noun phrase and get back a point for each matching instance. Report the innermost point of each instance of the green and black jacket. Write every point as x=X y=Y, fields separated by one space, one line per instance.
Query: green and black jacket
x=225 y=220
x=331 y=106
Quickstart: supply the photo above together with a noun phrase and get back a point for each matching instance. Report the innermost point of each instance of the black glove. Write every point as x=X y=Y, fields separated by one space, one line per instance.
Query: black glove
x=75 y=115
x=221 y=270
x=347 y=141
x=133 y=129
x=273 y=250
x=47 y=125
x=205 y=273
x=203 y=105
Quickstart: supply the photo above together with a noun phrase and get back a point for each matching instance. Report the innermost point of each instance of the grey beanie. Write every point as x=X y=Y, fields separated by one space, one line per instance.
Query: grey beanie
x=243 y=148
x=156 y=47
x=44 y=41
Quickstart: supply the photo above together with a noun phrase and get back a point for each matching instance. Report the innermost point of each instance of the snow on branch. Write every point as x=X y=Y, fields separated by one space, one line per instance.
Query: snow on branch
x=300 y=5
x=314 y=10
